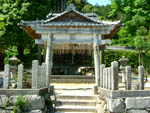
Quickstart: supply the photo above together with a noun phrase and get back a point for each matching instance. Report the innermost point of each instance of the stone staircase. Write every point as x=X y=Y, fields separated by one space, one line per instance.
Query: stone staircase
x=74 y=100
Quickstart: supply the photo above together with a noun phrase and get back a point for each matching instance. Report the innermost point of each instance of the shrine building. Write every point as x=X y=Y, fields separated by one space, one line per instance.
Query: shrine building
x=71 y=39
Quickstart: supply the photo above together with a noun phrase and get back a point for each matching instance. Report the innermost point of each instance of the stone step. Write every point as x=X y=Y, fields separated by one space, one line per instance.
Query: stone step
x=74 y=93
x=75 y=103
x=71 y=77
x=73 y=112
x=73 y=97
x=72 y=80
x=75 y=109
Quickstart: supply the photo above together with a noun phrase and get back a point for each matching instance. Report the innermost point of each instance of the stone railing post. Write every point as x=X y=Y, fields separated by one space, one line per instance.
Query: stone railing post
x=35 y=67
x=6 y=76
x=39 y=77
x=20 y=76
x=109 y=78
x=104 y=77
x=102 y=66
x=141 y=77
x=43 y=72
x=128 y=77
x=114 y=75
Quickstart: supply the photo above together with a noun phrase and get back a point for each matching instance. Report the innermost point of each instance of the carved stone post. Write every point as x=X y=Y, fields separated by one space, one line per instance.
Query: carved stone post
x=114 y=73
x=102 y=66
x=35 y=67
x=109 y=78
x=20 y=76
x=128 y=77
x=6 y=76
x=141 y=77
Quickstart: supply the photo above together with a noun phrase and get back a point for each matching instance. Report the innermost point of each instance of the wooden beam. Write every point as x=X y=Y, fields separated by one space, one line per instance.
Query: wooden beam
x=74 y=41
x=38 y=41
x=39 y=53
x=96 y=60
x=70 y=30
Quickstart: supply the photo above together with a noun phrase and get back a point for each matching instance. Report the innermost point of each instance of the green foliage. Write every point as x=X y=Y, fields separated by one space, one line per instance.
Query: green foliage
x=48 y=102
x=2 y=25
x=12 y=13
x=87 y=8
x=111 y=56
x=84 y=6
x=25 y=77
x=20 y=104
x=135 y=15
x=10 y=53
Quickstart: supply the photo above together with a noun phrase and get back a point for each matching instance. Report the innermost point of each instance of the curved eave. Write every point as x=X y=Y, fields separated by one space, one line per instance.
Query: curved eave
x=30 y=32
x=29 y=29
x=112 y=33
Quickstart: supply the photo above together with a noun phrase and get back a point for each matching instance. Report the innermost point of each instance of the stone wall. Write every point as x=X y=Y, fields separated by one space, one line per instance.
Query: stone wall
x=129 y=105
x=35 y=104
x=36 y=100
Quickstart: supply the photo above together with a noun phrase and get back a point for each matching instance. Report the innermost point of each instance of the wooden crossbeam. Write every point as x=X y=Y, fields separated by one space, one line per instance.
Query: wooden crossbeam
x=79 y=41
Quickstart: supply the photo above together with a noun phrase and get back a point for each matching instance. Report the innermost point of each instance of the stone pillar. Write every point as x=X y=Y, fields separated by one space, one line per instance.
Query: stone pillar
x=39 y=77
x=48 y=59
x=102 y=66
x=6 y=76
x=109 y=78
x=35 y=72
x=96 y=60
x=114 y=73
x=104 y=77
x=20 y=76
x=43 y=72
x=128 y=77
x=141 y=77
x=123 y=76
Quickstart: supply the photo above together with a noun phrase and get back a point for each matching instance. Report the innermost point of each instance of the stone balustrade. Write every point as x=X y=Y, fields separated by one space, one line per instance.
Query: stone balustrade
x=109 y=77
x=123 y=97
x=38 y=76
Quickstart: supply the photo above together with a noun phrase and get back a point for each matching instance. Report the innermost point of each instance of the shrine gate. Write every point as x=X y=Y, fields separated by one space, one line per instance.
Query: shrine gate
x=71 y=32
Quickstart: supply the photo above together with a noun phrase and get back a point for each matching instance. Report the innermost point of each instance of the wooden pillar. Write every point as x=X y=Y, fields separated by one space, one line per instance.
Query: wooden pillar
x=62 y=1
x=55 y=5
x=39 y=53
x=103 y=53
x=48 y=59
x=96 y=60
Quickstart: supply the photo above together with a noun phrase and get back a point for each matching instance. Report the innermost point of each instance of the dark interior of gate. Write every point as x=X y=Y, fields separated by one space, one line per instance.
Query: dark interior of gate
x=72 y=59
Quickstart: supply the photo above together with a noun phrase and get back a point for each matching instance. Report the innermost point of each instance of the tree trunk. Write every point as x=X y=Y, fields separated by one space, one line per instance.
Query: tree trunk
x=20 y=50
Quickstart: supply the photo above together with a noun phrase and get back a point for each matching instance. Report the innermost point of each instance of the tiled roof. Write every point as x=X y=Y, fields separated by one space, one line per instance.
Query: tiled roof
x=49 y=21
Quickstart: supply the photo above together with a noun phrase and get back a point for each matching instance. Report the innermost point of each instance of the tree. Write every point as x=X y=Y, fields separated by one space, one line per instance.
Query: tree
x=135 y=15
x=2 y=25
x=15 y=11
x=85 y=7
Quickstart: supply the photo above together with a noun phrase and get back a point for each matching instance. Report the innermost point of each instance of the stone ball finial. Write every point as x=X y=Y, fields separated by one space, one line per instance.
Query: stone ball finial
x=71 y=7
